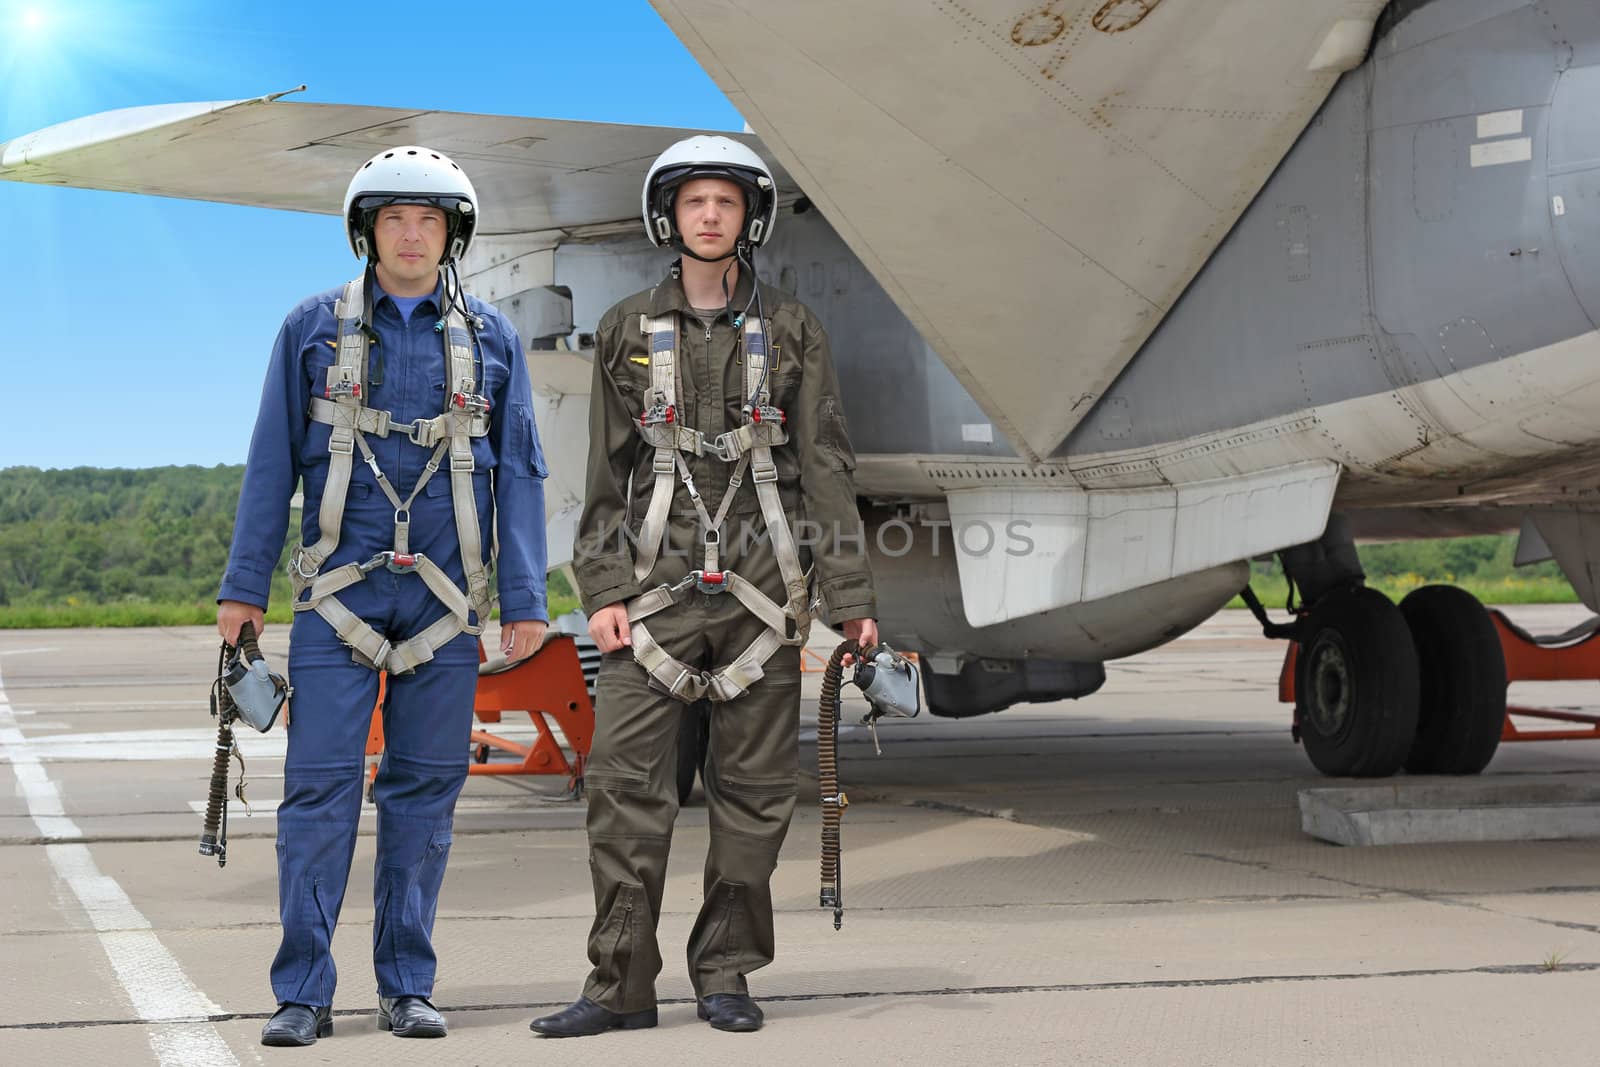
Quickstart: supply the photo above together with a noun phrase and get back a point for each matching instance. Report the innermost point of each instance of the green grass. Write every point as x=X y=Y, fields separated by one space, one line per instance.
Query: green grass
x=1512 y=590
x=143 y=613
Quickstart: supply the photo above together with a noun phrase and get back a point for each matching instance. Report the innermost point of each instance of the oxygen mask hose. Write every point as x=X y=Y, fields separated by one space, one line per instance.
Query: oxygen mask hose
x=834 y=802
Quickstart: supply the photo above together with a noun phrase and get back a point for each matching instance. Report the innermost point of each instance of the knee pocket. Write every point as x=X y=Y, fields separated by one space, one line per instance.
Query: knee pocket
x=616 y=781
x=781 y=786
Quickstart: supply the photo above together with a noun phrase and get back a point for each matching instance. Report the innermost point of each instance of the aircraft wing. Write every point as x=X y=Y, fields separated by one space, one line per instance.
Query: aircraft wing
x=1034 y=184
x=532 y=174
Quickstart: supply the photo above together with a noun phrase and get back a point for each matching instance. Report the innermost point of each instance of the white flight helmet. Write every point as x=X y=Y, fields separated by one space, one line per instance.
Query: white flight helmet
x=708 y=157
x=411 y=174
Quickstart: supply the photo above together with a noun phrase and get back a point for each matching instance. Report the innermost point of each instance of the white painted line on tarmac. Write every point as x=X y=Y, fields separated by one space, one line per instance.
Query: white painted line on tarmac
x=26 y=651
x=150 y=976
x=185 y=744
x=134 y=705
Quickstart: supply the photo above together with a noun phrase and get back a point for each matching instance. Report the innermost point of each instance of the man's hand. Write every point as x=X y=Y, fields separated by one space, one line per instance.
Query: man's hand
x=519 y=640
x=610 y=629
x=232 y=614
x=864 y=632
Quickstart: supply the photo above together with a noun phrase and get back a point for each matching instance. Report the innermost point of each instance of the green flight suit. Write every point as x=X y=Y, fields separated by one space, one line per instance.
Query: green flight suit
x=752 y=772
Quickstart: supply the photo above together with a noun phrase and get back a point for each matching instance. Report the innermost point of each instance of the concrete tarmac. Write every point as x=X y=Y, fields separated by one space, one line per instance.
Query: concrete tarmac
x=1118 y=880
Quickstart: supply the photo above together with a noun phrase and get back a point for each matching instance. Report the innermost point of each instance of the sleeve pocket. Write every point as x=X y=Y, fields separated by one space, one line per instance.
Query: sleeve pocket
x=835 y=436
x=526 y=458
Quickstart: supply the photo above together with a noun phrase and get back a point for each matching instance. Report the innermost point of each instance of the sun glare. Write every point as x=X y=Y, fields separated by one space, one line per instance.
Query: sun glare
x=32 y=18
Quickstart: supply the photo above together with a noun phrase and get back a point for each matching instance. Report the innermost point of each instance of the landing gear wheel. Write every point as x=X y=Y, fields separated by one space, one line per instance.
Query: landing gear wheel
x=1463 y=676
x=1356 y=685
x=694 y=741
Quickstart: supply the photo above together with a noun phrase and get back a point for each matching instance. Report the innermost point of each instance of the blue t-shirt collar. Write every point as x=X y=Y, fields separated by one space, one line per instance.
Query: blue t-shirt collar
x=405 y=305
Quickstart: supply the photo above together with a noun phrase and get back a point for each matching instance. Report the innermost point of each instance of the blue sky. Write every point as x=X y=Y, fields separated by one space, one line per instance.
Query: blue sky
x=106 y=360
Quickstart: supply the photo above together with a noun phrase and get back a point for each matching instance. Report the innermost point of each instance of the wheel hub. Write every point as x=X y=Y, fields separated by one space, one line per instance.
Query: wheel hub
x=1331 y=695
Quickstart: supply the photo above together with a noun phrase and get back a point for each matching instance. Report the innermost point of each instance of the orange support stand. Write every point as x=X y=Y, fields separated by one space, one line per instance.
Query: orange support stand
x=1527 y=660
x=549 y=687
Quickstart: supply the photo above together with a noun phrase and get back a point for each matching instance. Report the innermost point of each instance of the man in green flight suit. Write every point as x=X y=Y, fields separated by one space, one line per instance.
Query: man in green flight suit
x=716 y=430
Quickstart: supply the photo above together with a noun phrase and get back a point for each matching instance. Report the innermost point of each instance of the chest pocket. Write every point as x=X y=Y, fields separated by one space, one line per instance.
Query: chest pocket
x=633 y=379
x=785 y=387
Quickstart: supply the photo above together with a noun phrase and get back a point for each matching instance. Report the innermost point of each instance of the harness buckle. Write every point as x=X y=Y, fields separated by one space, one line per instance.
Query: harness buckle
x=343 y=390
x=418 y=432
x=762 y=473
x=398 y=562
x=710 y=581
x=657 y=414
x=768 y=413
x=380 y=560
x=401 y=562
x=462 y=462
x=471 y=403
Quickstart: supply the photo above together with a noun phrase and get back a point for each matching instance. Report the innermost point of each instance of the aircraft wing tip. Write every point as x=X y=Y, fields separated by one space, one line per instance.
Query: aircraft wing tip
x=100 y=127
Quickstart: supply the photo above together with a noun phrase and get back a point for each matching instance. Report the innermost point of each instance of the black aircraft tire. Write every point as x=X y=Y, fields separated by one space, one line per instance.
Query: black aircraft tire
x=694 y=738
x=1463 y=673
x=1356 y=685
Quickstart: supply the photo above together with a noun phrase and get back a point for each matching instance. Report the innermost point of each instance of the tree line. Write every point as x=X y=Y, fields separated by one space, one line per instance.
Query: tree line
x=92 y=535
x=95 y=537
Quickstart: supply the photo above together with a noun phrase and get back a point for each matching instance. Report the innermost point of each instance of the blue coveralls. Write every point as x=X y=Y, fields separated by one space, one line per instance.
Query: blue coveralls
x=428 y=714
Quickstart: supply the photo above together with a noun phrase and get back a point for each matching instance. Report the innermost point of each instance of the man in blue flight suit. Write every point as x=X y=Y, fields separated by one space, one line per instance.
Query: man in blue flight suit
x=404 y=407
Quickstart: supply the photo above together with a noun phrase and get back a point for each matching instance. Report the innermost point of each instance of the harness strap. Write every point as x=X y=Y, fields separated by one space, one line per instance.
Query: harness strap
x=375 y=422
x=653 y=529
x=345 y=382
x=663 y=333
x=678 y=679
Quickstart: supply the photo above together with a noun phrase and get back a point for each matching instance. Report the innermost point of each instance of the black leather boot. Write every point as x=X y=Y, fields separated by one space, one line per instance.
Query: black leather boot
x=737 y=1013
x=297 y=1024
x=584 y=1018
x=410 y=1017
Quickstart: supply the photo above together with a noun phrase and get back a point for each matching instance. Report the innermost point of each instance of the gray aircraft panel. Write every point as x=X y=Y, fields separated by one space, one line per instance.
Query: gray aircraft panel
x=1280 y=308
x=1486 y=64
x=1575 y=181
x=1463 y=262
x=1409 y=23
x=1444 y=206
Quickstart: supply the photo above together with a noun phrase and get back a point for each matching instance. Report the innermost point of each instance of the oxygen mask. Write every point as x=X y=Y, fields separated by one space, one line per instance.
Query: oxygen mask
x=889 y=682
x=257 y=693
